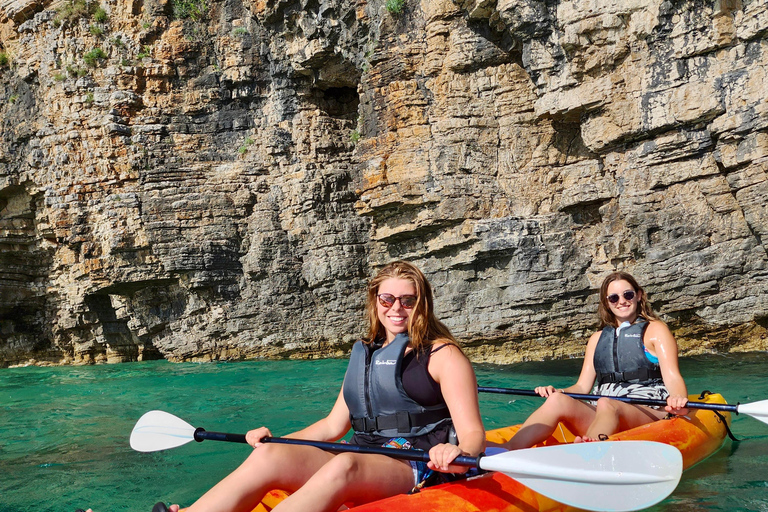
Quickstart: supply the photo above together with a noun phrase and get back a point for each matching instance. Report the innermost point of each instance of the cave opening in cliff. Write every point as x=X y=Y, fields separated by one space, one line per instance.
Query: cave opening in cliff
x=113 y=336
x=337 y=102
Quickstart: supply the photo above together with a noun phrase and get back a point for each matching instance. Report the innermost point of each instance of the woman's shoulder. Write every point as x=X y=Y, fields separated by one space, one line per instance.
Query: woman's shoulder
x=656 y=331
x=447 y=360
x=442 y=344
x=443 y=350
x=595 y=337
x=657 y=325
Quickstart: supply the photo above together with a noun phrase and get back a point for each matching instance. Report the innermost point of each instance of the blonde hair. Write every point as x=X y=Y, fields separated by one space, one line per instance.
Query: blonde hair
x=423 y=327
x=643 y=305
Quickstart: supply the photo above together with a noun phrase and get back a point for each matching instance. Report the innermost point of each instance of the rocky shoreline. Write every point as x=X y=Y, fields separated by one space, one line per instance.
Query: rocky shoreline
x=745 y=338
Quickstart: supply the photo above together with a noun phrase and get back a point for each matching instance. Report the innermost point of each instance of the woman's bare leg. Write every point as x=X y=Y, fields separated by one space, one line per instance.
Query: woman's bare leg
x=270 y=466
x=576 y=415
x=613 y=416
x=350 y=477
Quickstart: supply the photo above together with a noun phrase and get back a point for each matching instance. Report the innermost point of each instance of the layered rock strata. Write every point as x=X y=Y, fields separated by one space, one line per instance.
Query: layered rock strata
x=221 y=183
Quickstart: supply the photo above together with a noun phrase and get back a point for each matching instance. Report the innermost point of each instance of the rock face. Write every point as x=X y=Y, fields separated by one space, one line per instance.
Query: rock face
x=221 y=182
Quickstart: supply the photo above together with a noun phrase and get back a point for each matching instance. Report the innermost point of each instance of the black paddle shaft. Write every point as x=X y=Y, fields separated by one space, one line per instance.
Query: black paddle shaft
x=418 y=455
x=201 y=435
x=637 y=401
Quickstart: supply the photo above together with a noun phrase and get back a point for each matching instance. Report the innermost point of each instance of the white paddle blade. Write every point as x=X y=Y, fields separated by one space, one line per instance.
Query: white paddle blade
x=158 y=430
x=612 y=476
x=758 y=410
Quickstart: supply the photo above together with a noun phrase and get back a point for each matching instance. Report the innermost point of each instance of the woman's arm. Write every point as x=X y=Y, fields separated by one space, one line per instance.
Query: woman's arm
x=331 y=428
x=453 y=372
x=660 y=342
x=587 y=376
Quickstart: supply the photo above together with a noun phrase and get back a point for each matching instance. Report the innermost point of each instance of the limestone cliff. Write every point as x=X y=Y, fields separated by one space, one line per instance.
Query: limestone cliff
x=206 y=180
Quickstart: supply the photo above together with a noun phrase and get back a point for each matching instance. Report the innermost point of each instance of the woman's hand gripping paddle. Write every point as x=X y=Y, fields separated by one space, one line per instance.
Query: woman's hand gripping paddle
x=605 y=476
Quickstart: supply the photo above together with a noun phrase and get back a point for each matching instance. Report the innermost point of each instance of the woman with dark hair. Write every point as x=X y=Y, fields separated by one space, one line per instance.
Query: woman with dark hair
x=408 y=385
x=633 y=354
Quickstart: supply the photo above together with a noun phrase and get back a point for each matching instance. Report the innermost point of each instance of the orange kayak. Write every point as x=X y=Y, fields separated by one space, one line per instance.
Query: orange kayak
x=697 y=436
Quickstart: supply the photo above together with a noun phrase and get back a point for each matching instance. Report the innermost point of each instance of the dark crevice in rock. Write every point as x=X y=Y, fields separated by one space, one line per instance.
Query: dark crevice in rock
x=337 y=102
x=586 y=214
x=24 y=269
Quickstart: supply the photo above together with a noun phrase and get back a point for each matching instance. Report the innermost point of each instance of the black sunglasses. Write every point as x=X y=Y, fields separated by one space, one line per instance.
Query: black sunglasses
x=614 y=297
x=388 y=300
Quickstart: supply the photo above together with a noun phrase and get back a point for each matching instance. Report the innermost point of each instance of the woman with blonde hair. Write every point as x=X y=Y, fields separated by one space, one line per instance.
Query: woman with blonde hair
x=408 y=385
x=633 y=354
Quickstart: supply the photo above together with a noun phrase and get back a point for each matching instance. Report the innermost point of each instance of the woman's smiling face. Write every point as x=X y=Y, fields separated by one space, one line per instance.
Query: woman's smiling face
x=624 y=310
x=394 y=318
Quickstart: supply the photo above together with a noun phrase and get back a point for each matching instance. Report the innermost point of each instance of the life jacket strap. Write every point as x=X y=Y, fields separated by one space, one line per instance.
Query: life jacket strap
x=402 y=421
x=641 y=374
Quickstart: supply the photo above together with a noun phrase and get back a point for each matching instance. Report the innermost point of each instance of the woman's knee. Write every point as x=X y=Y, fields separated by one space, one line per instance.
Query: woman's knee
x=344 y=467
x=265 y=456
x=275 y=465
x=559 y=403
x=556 y=407
x=606 y=406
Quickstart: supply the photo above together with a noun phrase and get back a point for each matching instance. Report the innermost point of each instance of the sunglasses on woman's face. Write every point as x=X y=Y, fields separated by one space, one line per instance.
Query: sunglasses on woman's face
x=614 y=297
x=388 y=300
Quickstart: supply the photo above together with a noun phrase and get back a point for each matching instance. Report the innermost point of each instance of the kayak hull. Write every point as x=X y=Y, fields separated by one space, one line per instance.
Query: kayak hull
x=697 y=436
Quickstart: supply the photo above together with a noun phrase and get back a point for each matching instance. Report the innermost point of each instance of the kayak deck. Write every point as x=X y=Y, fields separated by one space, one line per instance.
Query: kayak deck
x=697 y=436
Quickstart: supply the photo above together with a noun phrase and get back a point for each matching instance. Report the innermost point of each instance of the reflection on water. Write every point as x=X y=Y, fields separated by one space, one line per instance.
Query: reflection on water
x=64 y=431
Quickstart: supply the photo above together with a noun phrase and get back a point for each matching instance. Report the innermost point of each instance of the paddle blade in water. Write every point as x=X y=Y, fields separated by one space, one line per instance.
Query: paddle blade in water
x=603 y=476
x=158 y=430
x=758 y=410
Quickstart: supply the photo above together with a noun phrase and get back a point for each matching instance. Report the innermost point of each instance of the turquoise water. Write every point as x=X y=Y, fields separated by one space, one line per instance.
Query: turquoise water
x=64 y=431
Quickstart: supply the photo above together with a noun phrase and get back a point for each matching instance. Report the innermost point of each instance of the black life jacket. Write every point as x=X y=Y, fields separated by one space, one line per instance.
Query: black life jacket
x=377 y=402
x=621 y=357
